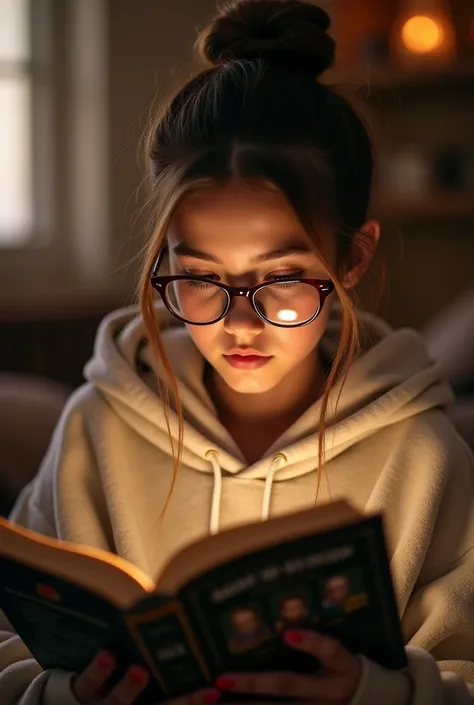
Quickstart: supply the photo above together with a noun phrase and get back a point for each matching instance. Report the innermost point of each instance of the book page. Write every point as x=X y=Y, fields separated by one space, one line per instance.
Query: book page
x=101 y=572
x=197 y=558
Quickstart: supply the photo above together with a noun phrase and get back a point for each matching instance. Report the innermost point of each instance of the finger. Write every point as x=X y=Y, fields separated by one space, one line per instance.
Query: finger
x=329 y=651
x=292 y=686
x=127 y=689
x=93 y=677
x=206 y=696
x=288 y=685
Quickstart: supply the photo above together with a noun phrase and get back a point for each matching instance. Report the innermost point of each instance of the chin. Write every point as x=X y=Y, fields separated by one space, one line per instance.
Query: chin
x=247 y=382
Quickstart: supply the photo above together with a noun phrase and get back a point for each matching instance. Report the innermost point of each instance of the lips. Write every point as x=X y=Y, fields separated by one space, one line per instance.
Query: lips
x=246 y=352
x=247 y=361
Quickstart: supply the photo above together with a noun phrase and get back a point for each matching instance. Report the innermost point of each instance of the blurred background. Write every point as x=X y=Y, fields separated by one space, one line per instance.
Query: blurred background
x=78 y=82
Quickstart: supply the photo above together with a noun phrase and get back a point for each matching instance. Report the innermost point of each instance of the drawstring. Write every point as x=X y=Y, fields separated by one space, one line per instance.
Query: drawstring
x=216 y=491
x=213 y=457
x=276 y=463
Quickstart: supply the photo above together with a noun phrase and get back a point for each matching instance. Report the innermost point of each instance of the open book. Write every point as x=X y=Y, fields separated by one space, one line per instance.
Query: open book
x=220 y=604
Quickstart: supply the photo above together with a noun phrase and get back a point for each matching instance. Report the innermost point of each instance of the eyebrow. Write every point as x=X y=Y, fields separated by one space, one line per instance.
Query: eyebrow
x=284 y=251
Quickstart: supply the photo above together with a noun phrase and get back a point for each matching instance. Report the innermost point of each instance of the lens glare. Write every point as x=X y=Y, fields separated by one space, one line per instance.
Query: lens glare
x=288 y=303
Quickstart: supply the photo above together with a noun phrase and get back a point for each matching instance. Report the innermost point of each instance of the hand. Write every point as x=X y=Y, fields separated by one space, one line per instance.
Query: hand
x=88 y=686
x=335 y=683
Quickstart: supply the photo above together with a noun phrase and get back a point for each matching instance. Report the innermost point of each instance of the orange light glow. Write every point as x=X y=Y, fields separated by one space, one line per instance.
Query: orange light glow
x=422 y=34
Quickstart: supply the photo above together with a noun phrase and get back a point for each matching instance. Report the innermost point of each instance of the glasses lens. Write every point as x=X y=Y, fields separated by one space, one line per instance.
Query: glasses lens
x=288 y=303
x=196 y=301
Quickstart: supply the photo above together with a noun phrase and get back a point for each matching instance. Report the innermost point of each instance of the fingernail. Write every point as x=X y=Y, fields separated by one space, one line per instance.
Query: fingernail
x=137 y=675
x=211 y=697
x=225 y=683
x=293 y=636
x=105 y=660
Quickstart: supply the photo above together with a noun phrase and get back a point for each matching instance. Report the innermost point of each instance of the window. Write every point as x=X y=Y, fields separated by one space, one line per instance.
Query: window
x=16 y=192
x=26 y=124
x=54 y=165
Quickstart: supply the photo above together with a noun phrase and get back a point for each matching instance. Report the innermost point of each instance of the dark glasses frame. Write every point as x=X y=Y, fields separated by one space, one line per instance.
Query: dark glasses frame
x=160 y=282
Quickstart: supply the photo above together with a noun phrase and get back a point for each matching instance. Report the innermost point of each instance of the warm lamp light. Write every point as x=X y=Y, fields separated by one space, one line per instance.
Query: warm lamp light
x=422 y=34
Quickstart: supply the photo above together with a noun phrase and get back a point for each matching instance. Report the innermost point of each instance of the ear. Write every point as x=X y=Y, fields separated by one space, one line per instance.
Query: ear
x=364 y=245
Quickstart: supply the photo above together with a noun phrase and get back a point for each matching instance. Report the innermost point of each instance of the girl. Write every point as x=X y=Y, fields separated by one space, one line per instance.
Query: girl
x=252 y=386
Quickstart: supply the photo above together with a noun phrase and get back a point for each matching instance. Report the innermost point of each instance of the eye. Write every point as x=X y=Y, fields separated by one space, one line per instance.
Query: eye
x=193 y=284
x=205 y=275
x=288 y=275
x=285 y=285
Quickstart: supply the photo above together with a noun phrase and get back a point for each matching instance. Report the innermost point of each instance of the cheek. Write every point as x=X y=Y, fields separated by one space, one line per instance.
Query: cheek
x=204 y=338
x=299 y=342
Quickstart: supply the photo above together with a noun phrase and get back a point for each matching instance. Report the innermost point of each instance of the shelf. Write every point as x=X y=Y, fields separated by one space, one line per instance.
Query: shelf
x=437 y=205
x=397 y=77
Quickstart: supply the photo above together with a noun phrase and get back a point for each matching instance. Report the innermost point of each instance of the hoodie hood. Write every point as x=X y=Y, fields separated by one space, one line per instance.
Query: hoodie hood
x=392 y=379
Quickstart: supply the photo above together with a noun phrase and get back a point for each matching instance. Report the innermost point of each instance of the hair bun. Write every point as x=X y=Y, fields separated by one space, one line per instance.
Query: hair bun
x=290 y=31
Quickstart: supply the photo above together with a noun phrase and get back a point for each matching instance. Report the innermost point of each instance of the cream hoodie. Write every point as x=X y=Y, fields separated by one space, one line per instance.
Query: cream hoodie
x=390 y=447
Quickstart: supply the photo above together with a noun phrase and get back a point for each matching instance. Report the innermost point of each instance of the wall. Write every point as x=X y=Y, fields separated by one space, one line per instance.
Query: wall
x=150 y=53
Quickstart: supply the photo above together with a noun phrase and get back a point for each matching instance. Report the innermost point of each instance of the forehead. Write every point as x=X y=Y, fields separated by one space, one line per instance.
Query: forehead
x=237 y=221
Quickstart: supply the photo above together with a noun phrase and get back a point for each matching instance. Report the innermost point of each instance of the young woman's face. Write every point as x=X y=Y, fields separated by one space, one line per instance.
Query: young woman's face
x=242 y=235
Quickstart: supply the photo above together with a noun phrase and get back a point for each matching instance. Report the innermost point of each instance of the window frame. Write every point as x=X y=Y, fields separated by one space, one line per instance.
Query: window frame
x=38 y=70
x=55 y=266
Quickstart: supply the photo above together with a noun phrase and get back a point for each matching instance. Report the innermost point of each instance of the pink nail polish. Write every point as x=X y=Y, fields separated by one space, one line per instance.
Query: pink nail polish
x=137 y=675
x=211 y=697
x=105 y=660
x=292 y=636
x=225 y=683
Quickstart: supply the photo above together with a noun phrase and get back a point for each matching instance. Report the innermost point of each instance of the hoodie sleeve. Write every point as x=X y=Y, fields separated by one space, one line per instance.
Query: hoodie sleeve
x=22 y=680
x=438 y=618
x=422 y=683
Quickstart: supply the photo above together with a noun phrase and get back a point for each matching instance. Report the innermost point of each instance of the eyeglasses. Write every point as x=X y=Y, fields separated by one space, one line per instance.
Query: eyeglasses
x=287 y=302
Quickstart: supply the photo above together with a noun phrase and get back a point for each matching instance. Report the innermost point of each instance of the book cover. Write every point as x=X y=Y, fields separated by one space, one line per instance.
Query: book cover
x=229 y=617
x=232 y=618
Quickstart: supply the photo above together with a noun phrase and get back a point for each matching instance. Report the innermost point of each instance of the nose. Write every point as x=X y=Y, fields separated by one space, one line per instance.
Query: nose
x=242 y=318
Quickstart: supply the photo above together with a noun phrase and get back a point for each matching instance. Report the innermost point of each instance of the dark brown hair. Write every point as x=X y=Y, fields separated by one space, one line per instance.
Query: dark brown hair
x=258 y=112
